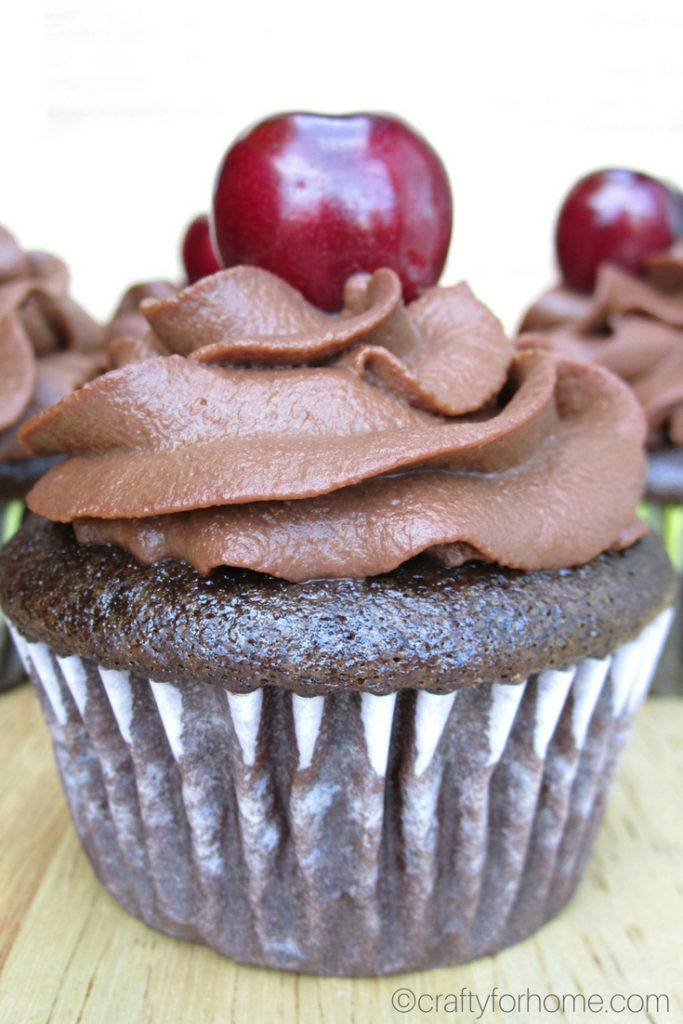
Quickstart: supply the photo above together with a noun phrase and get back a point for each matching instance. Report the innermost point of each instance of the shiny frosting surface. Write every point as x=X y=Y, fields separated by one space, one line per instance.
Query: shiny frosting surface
x=250 y=429
x=631 y=325
x=48 y=345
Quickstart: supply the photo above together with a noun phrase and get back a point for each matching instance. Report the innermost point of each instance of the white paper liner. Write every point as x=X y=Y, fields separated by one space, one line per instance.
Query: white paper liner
x=345 y=834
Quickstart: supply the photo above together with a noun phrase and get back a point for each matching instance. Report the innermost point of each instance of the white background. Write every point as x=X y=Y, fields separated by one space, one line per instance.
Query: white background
x=115 y=115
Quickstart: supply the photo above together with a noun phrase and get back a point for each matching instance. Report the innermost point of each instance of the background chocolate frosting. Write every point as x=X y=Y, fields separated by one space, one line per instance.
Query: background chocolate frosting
x=262 y=433
x=126 y=332
x=48 y=345
x=631 y=325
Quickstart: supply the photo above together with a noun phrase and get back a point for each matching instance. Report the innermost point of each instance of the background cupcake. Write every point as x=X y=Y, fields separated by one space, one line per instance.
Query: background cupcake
x=620 y=305
x=48 y=347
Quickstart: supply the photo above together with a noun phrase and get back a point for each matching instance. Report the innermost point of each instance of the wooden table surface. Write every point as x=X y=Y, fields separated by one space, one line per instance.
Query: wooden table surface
x=70 y=955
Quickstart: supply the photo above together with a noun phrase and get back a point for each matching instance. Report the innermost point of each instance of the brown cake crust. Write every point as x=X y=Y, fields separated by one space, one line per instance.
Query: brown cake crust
x=422 y=626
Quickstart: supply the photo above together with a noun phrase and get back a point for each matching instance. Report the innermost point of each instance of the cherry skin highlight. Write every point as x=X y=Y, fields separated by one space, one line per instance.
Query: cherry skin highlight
x=199 y=256
x=614 y=216
x=315 y=198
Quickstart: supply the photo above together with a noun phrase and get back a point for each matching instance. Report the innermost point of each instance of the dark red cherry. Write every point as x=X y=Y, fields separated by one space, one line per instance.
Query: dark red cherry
x=316 y=198
x=199 y=256
x=613 y=216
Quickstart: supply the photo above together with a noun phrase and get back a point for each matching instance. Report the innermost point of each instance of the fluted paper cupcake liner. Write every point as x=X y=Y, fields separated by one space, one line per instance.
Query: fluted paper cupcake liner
x=666 y=519
x=11 y=669
x=348 y=834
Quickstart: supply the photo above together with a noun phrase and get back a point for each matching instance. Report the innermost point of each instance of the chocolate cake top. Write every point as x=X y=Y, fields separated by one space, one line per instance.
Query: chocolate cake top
x=422 y=626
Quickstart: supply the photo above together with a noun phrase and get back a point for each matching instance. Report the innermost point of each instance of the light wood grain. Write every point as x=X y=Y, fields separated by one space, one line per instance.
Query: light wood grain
x=70 y=955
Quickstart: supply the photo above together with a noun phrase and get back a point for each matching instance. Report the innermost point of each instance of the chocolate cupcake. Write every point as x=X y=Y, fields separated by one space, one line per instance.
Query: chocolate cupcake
x=48 y=347
x=339 y=622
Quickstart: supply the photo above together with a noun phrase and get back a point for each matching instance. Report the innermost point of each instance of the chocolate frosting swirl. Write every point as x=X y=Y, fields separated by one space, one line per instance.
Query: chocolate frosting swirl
x=631 y=325
x=48 y=345
x=260 y=432
x=127 y=332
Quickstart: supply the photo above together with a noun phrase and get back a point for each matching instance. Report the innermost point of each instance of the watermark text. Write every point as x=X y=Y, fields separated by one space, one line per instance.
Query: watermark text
x=406 y=1000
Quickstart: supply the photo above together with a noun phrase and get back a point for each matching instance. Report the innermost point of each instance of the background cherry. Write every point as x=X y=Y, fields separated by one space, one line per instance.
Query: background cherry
x=199 y=256
x=613 y=216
